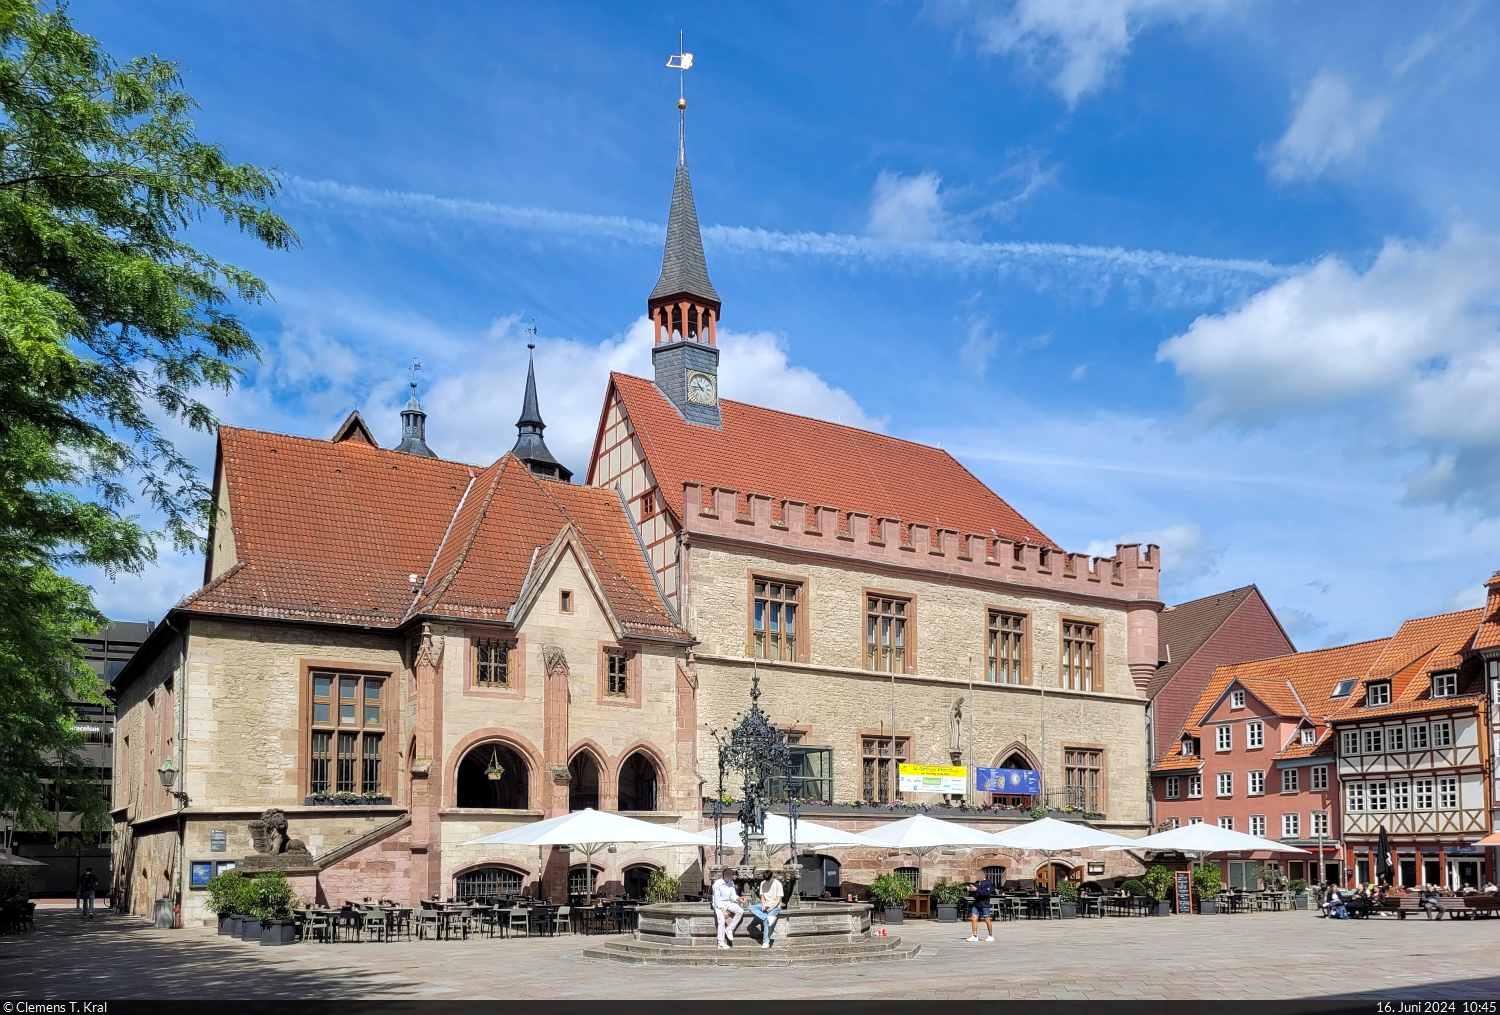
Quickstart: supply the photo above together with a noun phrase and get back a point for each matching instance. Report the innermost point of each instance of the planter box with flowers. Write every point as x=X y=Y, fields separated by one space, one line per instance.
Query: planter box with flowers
x=346 y=800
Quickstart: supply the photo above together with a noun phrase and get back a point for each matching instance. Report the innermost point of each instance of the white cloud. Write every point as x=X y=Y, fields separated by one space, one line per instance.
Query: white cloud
x=979 y=347
x=1329 y=126
x=1186 y=554
x=1412 y=338
x=1077 y=43
x=906 y=208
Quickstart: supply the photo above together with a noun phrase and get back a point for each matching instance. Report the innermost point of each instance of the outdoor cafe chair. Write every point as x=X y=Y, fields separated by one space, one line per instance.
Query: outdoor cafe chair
x=400 y=923
x=429 y=920
x=1054 y=908
x=319 y=927
x=520 y=920
x=563 y=919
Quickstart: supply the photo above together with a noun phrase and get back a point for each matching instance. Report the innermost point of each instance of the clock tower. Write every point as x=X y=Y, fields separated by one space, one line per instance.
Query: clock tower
x=684 y=308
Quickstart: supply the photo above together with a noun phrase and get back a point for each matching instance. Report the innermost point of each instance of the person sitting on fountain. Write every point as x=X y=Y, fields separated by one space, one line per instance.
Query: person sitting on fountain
x=770 y=905
x=727 y=908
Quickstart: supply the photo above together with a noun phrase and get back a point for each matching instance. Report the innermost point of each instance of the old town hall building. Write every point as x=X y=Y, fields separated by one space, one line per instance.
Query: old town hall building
x=403 y=653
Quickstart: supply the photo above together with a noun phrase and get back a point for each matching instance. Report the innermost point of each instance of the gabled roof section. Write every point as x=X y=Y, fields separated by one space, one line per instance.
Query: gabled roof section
x=1314 y=674
x=353 y=428
x=511 y=514
x=765 y=451
x=1420 y=648
x=684 y=272
x=1488 y=636
x=332 y=532
x=1186 y=626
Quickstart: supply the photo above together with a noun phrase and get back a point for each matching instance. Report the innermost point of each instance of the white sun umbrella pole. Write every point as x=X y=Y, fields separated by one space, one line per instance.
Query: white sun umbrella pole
x=921 y=835
x=590 y=832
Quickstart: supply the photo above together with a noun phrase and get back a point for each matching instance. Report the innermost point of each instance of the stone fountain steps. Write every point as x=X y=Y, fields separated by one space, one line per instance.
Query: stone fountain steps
x=780 y=953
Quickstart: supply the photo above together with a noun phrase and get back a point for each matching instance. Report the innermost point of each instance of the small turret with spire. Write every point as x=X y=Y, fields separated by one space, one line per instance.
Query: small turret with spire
x=684 y=307
x=414 y=422
x=530 y=447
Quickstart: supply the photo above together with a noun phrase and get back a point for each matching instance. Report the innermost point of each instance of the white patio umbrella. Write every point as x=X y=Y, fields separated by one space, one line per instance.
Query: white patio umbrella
x=921 y=835
x=1202 y=839
x=12 y=860
x=1050 y=837
x=590 y=832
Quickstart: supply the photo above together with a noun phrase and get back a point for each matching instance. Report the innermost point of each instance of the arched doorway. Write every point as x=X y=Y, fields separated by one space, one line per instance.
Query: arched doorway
x=637 y=787
x=1020 y=801
x=1050 y=875
x=636 y=879
x=583 y=782
x=493 y=775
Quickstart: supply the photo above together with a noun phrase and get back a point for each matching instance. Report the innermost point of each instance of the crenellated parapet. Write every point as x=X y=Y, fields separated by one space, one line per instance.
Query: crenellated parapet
x=1133 y=573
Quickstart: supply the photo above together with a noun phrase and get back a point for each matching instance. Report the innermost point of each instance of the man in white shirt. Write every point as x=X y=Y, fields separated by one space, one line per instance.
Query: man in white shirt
x=770 y=905
x=727 y=908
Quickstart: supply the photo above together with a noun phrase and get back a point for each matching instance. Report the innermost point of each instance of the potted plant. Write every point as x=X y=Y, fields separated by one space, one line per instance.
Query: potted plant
x=661 y=888
x=946 y=895
x=1158 y=882
x=1133 y=887
x=1299 y=893
x=1067 y=896
x=243 y=924
x=223 y=897
x=1206 y=883
x=272 y=900
x=890 y=892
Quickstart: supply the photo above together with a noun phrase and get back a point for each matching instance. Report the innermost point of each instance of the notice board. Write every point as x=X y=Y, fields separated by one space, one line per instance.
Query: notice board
x=1184 y=892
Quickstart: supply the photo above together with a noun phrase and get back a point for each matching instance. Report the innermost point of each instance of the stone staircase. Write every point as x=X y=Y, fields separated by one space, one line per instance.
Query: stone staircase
x=747 y=952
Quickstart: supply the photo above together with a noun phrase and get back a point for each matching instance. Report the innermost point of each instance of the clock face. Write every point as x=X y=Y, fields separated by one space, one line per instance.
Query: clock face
x=700 y=388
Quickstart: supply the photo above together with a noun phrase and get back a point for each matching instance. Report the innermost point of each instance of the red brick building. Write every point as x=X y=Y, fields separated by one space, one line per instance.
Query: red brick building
x=1194 y=638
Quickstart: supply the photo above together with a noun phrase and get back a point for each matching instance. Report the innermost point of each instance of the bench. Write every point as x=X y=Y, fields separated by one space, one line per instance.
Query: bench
x=1455 y=907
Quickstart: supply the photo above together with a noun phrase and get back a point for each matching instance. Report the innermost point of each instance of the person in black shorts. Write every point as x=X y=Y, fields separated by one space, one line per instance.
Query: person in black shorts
x=981 y=890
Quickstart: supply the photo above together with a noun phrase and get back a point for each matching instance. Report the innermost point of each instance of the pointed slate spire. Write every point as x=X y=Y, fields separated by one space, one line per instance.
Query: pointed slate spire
x=414 y=423
x=684 y=272
x=530 y=447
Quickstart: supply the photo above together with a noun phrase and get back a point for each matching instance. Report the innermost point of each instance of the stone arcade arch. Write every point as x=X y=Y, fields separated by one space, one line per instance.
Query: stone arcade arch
x=637 y=786
x=475 y=788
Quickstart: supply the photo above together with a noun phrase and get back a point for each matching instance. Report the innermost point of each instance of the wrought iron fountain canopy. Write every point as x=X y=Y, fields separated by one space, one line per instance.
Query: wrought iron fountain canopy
x=760 y=753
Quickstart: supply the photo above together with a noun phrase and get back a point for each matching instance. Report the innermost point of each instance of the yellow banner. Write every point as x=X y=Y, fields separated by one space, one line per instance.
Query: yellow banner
x=951 y=771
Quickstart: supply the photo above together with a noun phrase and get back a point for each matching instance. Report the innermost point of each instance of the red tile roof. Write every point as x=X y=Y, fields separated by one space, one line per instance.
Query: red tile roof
x=1489 y=627
x=764 y=451
x=331 y=532
x=1181 y=630
x=1420 y=648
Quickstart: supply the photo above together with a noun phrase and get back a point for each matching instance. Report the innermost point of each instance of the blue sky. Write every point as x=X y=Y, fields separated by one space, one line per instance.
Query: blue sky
x=1219 y=275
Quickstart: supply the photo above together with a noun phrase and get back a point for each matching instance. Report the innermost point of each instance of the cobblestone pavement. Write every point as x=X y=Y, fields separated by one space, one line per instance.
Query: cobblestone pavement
x=1258 y=956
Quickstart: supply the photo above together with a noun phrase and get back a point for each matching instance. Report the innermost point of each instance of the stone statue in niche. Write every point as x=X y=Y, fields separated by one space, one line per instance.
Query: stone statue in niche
x=269 y=835
x=956 y=729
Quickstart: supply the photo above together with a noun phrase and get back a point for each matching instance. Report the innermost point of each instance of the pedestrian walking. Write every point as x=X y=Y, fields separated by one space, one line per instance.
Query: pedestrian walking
x=87 y=886
x=982 y=891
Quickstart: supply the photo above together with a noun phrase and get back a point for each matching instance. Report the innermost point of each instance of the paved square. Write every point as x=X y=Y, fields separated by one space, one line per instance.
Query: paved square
x=1256 y=956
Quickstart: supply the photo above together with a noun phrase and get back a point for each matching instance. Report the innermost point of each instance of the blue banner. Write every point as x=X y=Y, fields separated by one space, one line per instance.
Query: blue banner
x=1007 y=780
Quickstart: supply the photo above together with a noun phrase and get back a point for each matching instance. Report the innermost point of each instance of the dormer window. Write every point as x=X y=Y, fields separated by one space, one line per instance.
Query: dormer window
x=1309 y=737
x=1378 y=693
x=1342 y=689
x=1444 y=685
x=1236 y=699
x=1187 y=747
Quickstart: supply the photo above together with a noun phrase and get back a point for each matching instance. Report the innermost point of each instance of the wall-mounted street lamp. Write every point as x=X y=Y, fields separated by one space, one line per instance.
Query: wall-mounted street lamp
x=168 y=773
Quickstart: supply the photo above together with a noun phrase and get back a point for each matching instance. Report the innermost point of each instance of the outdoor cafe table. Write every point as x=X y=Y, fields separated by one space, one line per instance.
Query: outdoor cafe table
x=1090 y=905
x=1127 y=905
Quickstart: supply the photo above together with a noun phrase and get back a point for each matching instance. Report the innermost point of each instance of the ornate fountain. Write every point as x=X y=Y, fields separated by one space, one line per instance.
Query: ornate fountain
x=759 y=752
x=807 y=933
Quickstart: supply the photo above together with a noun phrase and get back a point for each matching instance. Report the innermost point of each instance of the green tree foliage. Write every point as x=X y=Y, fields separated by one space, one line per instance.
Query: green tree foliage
x=662 y=887
x=109 y=323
